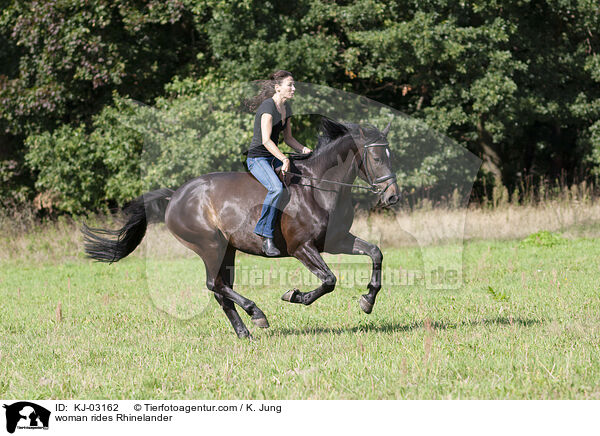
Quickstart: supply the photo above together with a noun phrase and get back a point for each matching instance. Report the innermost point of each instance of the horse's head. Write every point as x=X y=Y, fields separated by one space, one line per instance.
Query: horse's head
x=375 y=163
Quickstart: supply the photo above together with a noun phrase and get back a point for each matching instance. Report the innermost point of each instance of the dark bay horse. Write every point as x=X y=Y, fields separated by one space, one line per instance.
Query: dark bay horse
x=214 y=215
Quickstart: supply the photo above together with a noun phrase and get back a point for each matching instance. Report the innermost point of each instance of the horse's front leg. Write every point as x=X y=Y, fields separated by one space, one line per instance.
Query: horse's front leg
x=353 y=245
x=311 y=258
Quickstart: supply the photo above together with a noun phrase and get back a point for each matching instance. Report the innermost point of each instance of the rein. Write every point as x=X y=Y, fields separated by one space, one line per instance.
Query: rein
x=372 y=183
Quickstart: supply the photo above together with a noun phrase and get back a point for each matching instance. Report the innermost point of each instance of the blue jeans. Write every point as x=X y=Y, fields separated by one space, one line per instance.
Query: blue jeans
x=261 y=168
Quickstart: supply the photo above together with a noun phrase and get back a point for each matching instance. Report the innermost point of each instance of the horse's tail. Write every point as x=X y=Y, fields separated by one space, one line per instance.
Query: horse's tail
x=148 y=208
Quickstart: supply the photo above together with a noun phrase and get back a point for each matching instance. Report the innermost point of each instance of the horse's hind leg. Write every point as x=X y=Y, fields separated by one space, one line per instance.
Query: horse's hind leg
x=218 y=259
x=225 y=282
x=256 y=315
x=222 y=286
x=234 y=318
x=226 y=274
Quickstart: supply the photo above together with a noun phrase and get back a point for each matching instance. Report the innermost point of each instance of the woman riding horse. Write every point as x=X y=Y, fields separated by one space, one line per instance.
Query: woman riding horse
x=214 y=215
x=272 y=117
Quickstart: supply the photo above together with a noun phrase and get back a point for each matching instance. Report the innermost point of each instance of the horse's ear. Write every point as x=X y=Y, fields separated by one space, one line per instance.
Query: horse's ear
x=362 y=134
x=387 y=129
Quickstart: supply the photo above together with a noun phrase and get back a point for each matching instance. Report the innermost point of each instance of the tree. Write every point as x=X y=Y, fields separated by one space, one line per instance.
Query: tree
x=514 y=82
x=72 y=54
x=506 y=79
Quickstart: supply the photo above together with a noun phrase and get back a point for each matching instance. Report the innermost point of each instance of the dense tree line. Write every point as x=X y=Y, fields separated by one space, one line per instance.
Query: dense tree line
x=516 y=82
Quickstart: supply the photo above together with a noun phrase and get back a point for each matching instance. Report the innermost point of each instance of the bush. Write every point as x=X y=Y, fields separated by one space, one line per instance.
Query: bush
x=88 y=171
x=131 y=148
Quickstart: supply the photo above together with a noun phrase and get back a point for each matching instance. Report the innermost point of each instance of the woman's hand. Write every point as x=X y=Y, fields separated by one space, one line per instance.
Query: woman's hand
x=306 y=150
x=286 y=165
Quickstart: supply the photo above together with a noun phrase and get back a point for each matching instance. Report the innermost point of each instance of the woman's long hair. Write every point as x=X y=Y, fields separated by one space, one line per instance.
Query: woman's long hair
x=267 y=89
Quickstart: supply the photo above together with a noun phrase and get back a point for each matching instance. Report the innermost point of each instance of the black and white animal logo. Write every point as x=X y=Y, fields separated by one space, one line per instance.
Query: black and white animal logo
x=26 y=415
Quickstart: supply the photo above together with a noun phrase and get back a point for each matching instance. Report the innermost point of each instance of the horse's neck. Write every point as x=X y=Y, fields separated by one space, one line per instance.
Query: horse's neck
x=340 y=163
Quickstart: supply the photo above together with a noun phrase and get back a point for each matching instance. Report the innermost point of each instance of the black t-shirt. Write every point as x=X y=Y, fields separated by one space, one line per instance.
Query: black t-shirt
x=257 y=149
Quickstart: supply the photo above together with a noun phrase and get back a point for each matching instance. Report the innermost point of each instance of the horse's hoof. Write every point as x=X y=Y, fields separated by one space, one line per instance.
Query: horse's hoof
x=290 y=295
x=261 y=322
x=244 y=334
x=365 y=305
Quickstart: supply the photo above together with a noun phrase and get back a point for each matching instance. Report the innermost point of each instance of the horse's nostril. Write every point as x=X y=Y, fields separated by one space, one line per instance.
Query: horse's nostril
x=393 y=199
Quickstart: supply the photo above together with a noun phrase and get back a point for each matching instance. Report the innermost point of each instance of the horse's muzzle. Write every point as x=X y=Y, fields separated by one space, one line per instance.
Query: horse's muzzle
x=390 y=195
x=393 y=200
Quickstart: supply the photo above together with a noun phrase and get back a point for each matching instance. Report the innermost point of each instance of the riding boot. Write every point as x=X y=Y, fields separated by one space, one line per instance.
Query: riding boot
x=269 y=248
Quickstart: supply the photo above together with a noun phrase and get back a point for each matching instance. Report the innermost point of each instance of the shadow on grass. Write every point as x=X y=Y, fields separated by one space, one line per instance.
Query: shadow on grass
x=396 y=327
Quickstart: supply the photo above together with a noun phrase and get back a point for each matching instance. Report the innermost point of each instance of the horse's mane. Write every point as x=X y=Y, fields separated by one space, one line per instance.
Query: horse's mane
x=331 y=131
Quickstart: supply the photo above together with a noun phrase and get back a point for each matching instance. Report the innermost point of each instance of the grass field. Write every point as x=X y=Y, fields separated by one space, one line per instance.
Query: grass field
x=525 y=324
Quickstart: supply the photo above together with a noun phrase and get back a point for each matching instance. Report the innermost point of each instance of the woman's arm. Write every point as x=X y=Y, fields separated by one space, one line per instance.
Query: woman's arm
x=291 y=141
x=266 y=126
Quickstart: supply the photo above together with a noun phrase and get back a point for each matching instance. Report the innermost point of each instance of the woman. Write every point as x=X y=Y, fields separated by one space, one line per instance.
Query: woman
x=273 y=114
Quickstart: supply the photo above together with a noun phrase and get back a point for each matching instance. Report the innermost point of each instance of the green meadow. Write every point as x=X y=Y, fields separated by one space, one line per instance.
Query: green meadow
x=524 y=324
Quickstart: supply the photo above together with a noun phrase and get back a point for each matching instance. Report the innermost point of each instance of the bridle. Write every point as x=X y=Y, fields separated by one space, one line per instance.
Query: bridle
x=372 y=182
